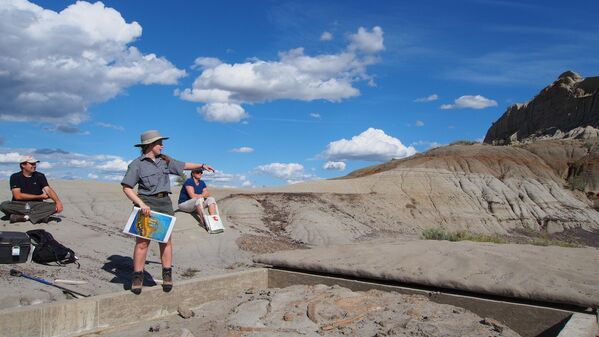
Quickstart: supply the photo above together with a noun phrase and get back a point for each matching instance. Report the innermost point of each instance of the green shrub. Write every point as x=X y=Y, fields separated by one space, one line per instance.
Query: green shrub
x=435 y=234
x=442 y=234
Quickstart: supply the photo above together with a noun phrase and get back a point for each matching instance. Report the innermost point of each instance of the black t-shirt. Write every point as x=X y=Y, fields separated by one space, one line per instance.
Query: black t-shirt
x=30 y=185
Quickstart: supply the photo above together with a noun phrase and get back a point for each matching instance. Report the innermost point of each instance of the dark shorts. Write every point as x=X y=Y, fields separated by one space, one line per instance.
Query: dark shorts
x=162 y=205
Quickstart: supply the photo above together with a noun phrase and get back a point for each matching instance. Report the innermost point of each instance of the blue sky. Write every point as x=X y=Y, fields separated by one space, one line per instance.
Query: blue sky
x=272 y=92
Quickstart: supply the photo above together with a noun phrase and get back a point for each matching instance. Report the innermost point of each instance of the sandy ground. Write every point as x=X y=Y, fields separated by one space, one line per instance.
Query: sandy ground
x=320 y=311
x=91 y=224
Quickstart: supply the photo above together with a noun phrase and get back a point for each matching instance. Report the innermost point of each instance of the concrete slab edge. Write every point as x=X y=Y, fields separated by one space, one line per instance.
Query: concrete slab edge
x=581 y=325
x=76 y=317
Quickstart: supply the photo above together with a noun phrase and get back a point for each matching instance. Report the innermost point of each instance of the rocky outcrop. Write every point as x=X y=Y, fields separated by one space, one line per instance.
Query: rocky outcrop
x=475 y=188
x=566 y=109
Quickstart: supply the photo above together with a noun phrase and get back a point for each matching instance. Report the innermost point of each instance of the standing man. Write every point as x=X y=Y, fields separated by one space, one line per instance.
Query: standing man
x=29 y=190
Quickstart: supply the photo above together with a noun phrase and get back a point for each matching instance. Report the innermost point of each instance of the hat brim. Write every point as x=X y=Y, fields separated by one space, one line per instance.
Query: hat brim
x=30 y=161
x=150 y=141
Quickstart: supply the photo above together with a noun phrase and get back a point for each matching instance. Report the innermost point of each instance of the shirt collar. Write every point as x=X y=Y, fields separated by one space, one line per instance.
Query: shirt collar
x=144 y=157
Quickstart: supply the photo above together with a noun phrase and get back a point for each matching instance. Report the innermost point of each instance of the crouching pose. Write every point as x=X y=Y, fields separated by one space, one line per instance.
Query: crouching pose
x=194 y=195
x=29 y=190
x=150 y=172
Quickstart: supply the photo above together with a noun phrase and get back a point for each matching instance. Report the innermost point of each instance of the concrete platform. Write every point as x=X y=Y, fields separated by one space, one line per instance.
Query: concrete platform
x=117 y=310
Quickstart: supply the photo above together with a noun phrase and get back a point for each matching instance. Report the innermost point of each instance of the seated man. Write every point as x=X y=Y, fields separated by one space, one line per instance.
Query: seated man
x=194 y=195
x=29 y=190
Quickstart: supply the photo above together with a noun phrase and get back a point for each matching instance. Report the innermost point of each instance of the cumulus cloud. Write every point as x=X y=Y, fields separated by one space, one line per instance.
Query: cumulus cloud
x=227 y=180
x=113 y=177
x=314 y=115
x=290 y=172
x=56 y=64
x=419 y=123
x=370 y=145
x=10 y=157
x=326 y=36
x=334 y=165
x=80 y=163
x=224 y=87
x=243 y=149
x=368 y=42
x=429 y=98
x=114 y=165
x=471 y=102
x=44 y=165
x=223 y=112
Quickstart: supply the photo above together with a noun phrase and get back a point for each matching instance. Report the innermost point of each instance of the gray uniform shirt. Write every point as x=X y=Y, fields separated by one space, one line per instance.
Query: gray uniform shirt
x=152 y=176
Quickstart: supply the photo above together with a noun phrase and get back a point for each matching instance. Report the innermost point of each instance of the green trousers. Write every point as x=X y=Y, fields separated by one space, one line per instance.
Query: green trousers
x=39 y=210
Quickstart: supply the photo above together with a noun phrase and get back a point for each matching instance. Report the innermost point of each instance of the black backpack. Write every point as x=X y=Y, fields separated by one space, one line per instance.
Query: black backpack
x=47 y=249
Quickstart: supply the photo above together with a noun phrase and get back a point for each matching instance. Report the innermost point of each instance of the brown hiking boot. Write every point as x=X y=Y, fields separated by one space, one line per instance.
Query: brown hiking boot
x=137 y=282
x=17 y=218
x=167 y=279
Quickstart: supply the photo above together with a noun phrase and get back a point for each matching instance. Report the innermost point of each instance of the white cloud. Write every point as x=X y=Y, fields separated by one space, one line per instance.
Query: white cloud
x=45 y=165
x=80 y=163
x=223 y=112
x=368 y=42
x=419 y=123
x=326 y=36
x=291 y=172
x=224 y=87
x=223 y=179
x=113 y=177
x=282 y=170
x=206 y=62
x=334 y=165
x=246 y=183
x=11 y=157
x=314 y=115
x=243 y=149
x=370 y=145
x=92 y=176
x=429 y=98
x=114 y=165
x=56 y=64
x=472 y=102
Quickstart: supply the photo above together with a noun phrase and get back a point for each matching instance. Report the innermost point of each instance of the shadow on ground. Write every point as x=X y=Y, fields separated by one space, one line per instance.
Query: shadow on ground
x=122 y=268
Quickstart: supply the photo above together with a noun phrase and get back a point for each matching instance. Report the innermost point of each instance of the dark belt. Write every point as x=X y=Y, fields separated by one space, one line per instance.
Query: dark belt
x=159 y=195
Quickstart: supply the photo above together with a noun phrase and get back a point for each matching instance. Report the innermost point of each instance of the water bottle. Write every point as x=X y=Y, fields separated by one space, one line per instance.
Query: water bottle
x=27 y=208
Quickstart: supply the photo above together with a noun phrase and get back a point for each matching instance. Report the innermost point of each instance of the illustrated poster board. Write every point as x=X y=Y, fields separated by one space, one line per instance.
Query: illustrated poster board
x=156 y=227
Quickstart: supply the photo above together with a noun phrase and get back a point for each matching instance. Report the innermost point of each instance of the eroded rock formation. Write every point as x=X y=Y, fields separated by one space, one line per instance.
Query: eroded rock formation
x=568 y=108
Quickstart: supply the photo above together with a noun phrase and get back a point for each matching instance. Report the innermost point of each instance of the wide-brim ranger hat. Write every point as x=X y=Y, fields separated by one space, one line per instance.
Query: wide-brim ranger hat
x=150 y=137
x=28 y=159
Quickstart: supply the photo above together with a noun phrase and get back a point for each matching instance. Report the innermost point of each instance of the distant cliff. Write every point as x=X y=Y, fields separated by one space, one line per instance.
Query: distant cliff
x=568 y=108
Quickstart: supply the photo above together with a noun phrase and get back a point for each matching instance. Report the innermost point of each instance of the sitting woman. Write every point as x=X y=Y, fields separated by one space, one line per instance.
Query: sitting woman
x=194 y=195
